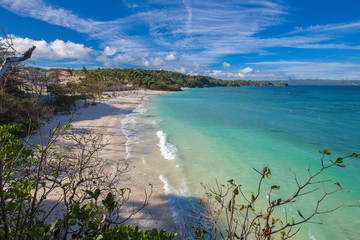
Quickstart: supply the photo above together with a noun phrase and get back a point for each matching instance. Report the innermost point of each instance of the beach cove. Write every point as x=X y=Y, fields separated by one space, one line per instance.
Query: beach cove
x=108 y=117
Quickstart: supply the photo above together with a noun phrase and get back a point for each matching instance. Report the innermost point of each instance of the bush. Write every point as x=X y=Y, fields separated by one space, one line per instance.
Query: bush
x=90 y=196
x=28 y=112
x=230 y=213
x=63 y=103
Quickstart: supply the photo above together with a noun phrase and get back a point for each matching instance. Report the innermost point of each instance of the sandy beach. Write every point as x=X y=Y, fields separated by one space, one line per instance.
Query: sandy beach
x=106 y=116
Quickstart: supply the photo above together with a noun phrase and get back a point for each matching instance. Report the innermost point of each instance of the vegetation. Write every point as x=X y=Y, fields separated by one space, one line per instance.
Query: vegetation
x=167 y=80
x=282 y=84
x=86 y=196
x=230 y=213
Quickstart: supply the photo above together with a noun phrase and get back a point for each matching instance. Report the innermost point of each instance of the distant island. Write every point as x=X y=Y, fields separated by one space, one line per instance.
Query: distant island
x=318 y=82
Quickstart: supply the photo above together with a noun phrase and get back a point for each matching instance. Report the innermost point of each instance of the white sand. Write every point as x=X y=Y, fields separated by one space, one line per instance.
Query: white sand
x=106 y=116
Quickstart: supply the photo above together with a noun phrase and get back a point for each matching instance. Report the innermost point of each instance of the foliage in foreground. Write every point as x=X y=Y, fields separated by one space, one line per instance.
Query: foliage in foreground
x=228 y=212
x=88 y=199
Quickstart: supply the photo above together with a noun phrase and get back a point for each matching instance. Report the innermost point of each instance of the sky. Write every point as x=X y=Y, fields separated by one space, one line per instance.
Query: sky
x=242 y=39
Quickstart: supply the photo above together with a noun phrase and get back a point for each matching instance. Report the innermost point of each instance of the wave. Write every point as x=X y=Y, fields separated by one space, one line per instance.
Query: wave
x=311 y=237
x=168 y=151
x=129 y=126
x=178 y=199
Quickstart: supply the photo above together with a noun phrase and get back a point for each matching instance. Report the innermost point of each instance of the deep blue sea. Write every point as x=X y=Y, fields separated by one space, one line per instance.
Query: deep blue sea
x=199 y=135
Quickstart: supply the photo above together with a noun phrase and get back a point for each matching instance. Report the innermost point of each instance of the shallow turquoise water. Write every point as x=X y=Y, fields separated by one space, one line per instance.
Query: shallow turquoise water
x=199 y=135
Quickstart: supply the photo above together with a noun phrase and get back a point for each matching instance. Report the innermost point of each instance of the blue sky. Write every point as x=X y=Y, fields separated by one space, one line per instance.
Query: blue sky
x=243 y=39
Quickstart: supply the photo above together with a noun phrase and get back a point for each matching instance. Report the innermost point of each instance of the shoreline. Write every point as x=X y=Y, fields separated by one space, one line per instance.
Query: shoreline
x=107 y=117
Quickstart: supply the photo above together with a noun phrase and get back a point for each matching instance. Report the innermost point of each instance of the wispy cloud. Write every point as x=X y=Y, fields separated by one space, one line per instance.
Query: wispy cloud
x=103 y=30
x=329 y=46
x=201 y=27
x=328 y=27
x=38 y=9
x=310 y=69
x=187 y=36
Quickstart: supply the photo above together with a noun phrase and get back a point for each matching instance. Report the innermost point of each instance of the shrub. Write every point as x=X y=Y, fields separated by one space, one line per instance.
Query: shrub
x=90 y=196
x=230 y=213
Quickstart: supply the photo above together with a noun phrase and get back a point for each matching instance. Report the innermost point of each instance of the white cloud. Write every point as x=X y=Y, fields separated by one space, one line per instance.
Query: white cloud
x=108 y=51
x=57 y=49
x=152 y=62
x=329 y=27
x=188 y=6
x=171 y=57
x=181 y=70
x=123 y=58
x=329 y=46
x=246 y=70
x=242 y=73
x=108 y=31
x=116 y=60
x=217 y=73
x=313 y=70
x=226 y=65
x=38 y=9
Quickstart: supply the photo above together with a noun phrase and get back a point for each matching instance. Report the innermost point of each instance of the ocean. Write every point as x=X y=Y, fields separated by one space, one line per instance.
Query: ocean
x=202 y=135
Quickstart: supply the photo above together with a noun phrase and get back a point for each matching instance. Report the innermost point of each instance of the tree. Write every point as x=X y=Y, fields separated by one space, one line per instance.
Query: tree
x=9 y=60
x=230 y=213
x=37 y=81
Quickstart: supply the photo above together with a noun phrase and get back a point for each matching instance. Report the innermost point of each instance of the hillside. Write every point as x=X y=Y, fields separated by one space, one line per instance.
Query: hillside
x=149 y=79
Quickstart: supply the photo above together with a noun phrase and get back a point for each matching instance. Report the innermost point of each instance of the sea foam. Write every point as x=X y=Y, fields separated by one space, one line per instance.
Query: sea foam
x=177 y=199
x=129 y=126
x=168 y=151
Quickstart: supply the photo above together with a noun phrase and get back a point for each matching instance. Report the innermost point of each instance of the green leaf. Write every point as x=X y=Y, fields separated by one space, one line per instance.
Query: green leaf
x=265 y=216
x=300 y=214
x=354 y=155
x=339 y=160
x=236 y=191
x=252 y=198
x=72 y=222
x=66 y=127
x=292 y=221
x=268 y=174
x=96 y=194
x=11 y=206
x=275 y=187
x=326 y=151
x=65 y=185
x=90 y=193
x=100 y=237
x=263 y=172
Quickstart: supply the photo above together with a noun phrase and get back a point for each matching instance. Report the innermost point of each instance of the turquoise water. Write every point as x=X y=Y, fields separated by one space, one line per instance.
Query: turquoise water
x=200 y=135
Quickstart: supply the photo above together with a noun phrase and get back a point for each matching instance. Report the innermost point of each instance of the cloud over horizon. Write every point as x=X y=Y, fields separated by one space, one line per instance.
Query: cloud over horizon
x=57 y=49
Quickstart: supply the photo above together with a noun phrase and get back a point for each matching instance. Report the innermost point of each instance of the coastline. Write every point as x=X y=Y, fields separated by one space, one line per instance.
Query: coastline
x=107 y=117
